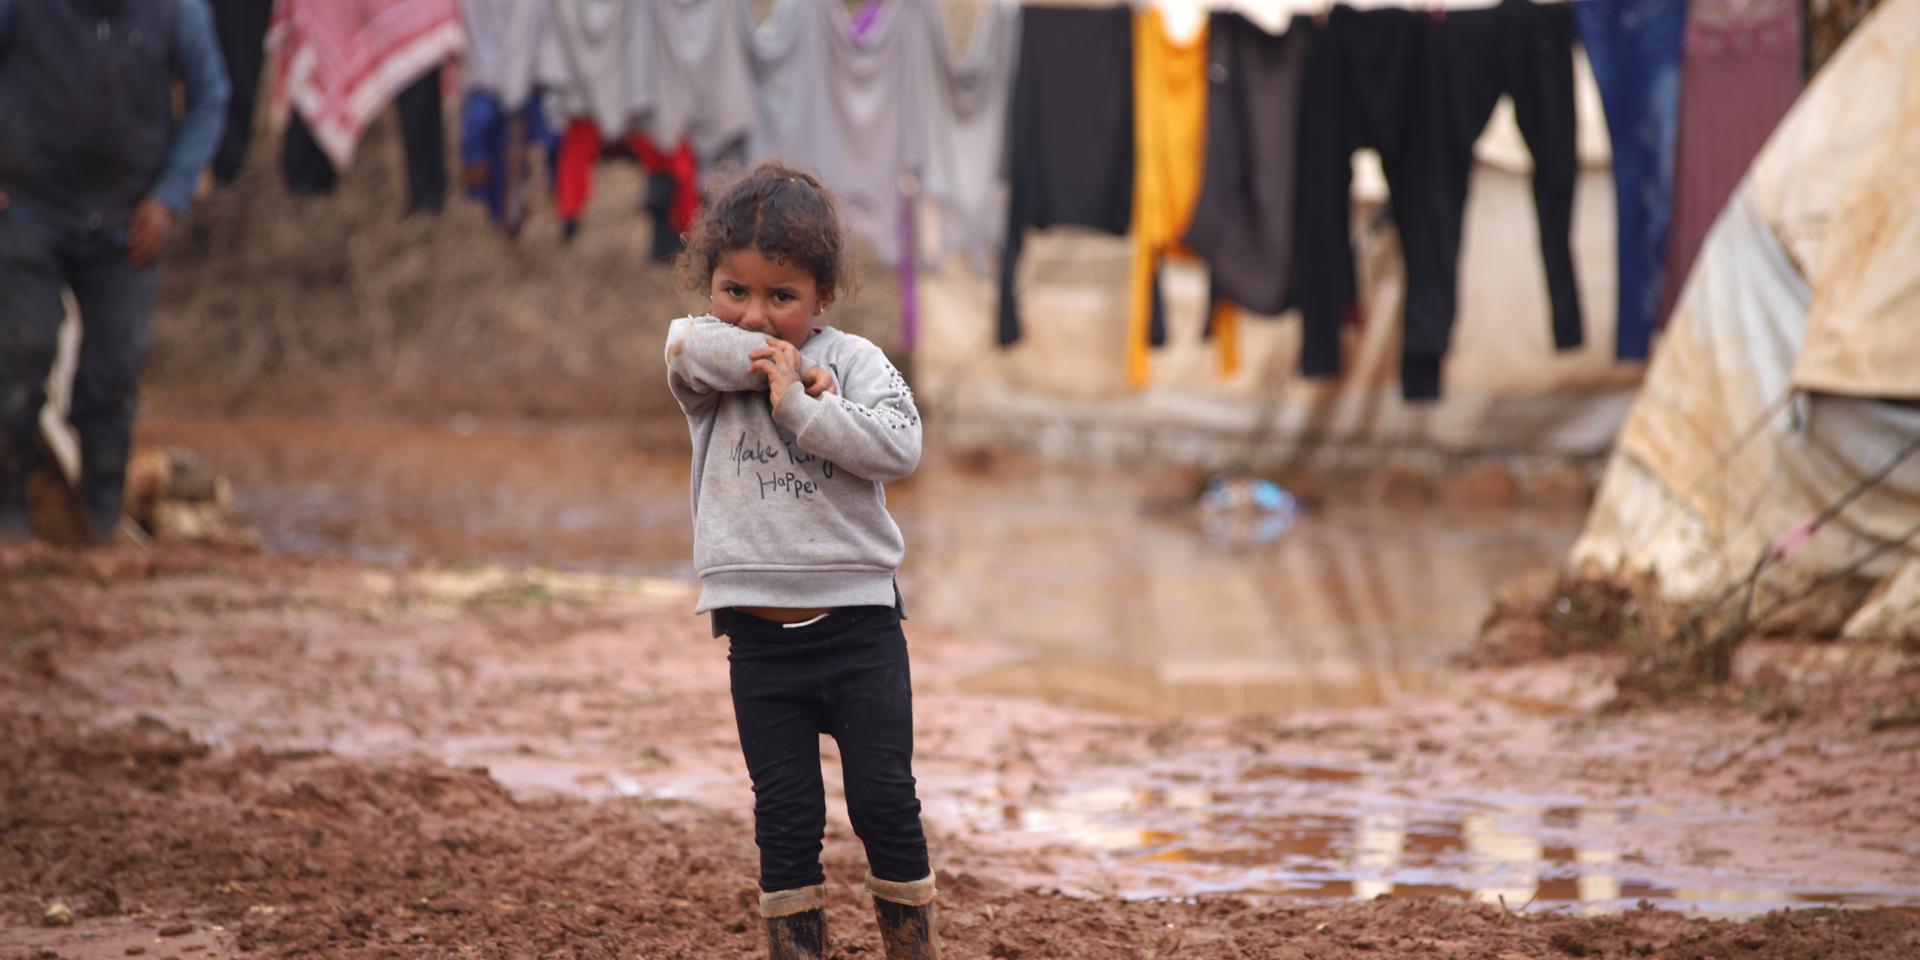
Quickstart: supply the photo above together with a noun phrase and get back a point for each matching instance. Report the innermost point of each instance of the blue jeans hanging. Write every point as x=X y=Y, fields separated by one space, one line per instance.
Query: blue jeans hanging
x=1635 y=47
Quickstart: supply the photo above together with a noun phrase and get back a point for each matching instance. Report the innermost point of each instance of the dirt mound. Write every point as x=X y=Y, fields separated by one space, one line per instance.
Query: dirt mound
x=305 y=855
x=271 y=302
x=1667 y=654
x=312 y=855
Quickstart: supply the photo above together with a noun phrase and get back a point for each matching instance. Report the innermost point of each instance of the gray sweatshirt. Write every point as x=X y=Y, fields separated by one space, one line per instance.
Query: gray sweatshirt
x=788 y=507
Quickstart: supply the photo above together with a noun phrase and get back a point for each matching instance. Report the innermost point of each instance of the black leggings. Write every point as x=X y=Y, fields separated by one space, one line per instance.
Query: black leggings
x=845 y=676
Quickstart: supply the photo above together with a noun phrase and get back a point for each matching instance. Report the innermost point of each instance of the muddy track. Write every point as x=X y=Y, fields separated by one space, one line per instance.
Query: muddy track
x=186 y=765
x=293 y=856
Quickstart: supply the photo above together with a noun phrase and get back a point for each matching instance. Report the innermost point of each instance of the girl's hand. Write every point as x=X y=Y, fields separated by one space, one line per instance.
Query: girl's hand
x=780 y=362
x=819 y=382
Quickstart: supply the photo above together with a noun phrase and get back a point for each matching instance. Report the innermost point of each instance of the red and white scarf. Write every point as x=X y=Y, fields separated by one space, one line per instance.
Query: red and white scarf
x=341 y=62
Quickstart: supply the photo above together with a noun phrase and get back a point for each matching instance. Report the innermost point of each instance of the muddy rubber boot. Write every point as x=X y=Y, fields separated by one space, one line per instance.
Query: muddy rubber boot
x=905 y=912
x=796 y=923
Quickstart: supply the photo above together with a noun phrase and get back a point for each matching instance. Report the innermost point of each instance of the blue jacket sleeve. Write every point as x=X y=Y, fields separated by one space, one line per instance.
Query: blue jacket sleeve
x=198 y=60
x=6 y=26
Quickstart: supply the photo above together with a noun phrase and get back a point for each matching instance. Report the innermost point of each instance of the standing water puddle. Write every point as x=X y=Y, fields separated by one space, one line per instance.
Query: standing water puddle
x=1335 y=838
x=1106 y=584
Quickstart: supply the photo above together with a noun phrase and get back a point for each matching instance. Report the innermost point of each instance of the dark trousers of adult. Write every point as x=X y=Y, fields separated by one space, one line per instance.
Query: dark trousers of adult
x=116 y=300
x=845 y=676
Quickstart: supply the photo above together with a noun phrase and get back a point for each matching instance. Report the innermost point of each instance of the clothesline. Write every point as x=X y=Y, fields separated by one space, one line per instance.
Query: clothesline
x=900 y=121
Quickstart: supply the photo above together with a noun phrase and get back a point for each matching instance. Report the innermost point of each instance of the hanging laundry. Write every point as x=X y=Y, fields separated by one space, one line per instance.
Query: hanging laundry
x=1070 y=122
x=341 y=62
x=502 y=124
x=964 y=112
x=1323 y=283
x=1244 y=220
x=676 y=167
x=309 y=169
x=1740 y=74
x=1170 y=134
x=659 y=204
x=241 y=26
x=423 y=136
x=504 y=40
x=1419 y=88
x=497 y=151
x=602 y=64
x=574 y=161
x=1635 y=48
x=303 y=165
x=964 y=124
x=868 y=16
x=595 y=62
x=700 y=80
x=909 y=265
x=580 y=150
x=849 y=110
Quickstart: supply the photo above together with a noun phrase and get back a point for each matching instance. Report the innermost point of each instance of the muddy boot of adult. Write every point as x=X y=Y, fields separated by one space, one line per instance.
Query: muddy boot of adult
x=905 y=912
x=796 y=923
x=104 y=510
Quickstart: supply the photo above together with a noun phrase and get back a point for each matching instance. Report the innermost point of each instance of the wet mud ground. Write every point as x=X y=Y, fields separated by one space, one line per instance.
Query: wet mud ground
x=458 y=708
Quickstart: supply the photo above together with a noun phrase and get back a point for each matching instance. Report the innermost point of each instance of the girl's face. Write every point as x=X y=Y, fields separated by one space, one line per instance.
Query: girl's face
x=773 y=297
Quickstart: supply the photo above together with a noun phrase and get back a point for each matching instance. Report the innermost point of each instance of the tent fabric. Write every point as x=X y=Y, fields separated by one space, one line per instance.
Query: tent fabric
x=1818 y=151
x=1892 y=614
x=1863 y=338
x=1721 y=460
x=1743 y=430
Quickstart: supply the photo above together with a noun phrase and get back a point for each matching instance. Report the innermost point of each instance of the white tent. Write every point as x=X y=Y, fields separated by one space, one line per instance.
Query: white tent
x=1788 y=381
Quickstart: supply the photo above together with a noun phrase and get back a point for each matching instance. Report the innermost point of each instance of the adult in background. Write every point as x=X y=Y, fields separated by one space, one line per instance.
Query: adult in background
x=94 y=171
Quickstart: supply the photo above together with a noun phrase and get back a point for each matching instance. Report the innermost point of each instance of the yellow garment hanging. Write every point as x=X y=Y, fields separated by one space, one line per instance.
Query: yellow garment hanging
x=1170 y=143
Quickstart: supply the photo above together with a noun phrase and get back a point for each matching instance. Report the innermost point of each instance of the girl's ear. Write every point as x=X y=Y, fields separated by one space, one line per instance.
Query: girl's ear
x=826 y=296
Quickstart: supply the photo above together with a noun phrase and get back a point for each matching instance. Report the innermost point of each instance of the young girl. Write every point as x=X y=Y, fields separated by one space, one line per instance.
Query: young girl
x=795 y=427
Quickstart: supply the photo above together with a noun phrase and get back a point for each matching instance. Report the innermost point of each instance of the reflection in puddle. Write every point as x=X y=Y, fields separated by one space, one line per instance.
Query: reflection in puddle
x=1127 y=608
x=1105 y=579
x=577 y=497
x=1110 y=603
x=1516 y=855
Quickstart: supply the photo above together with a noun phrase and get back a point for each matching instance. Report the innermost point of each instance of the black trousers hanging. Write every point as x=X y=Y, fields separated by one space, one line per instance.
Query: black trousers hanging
x=241 y=26
x=1069 y=132
x=305 y=166
x=423 y=132
x=309 y=172
x=1419 y=89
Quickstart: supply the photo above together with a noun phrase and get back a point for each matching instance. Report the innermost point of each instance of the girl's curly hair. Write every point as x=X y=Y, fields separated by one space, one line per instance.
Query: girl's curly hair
x=783 y=212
